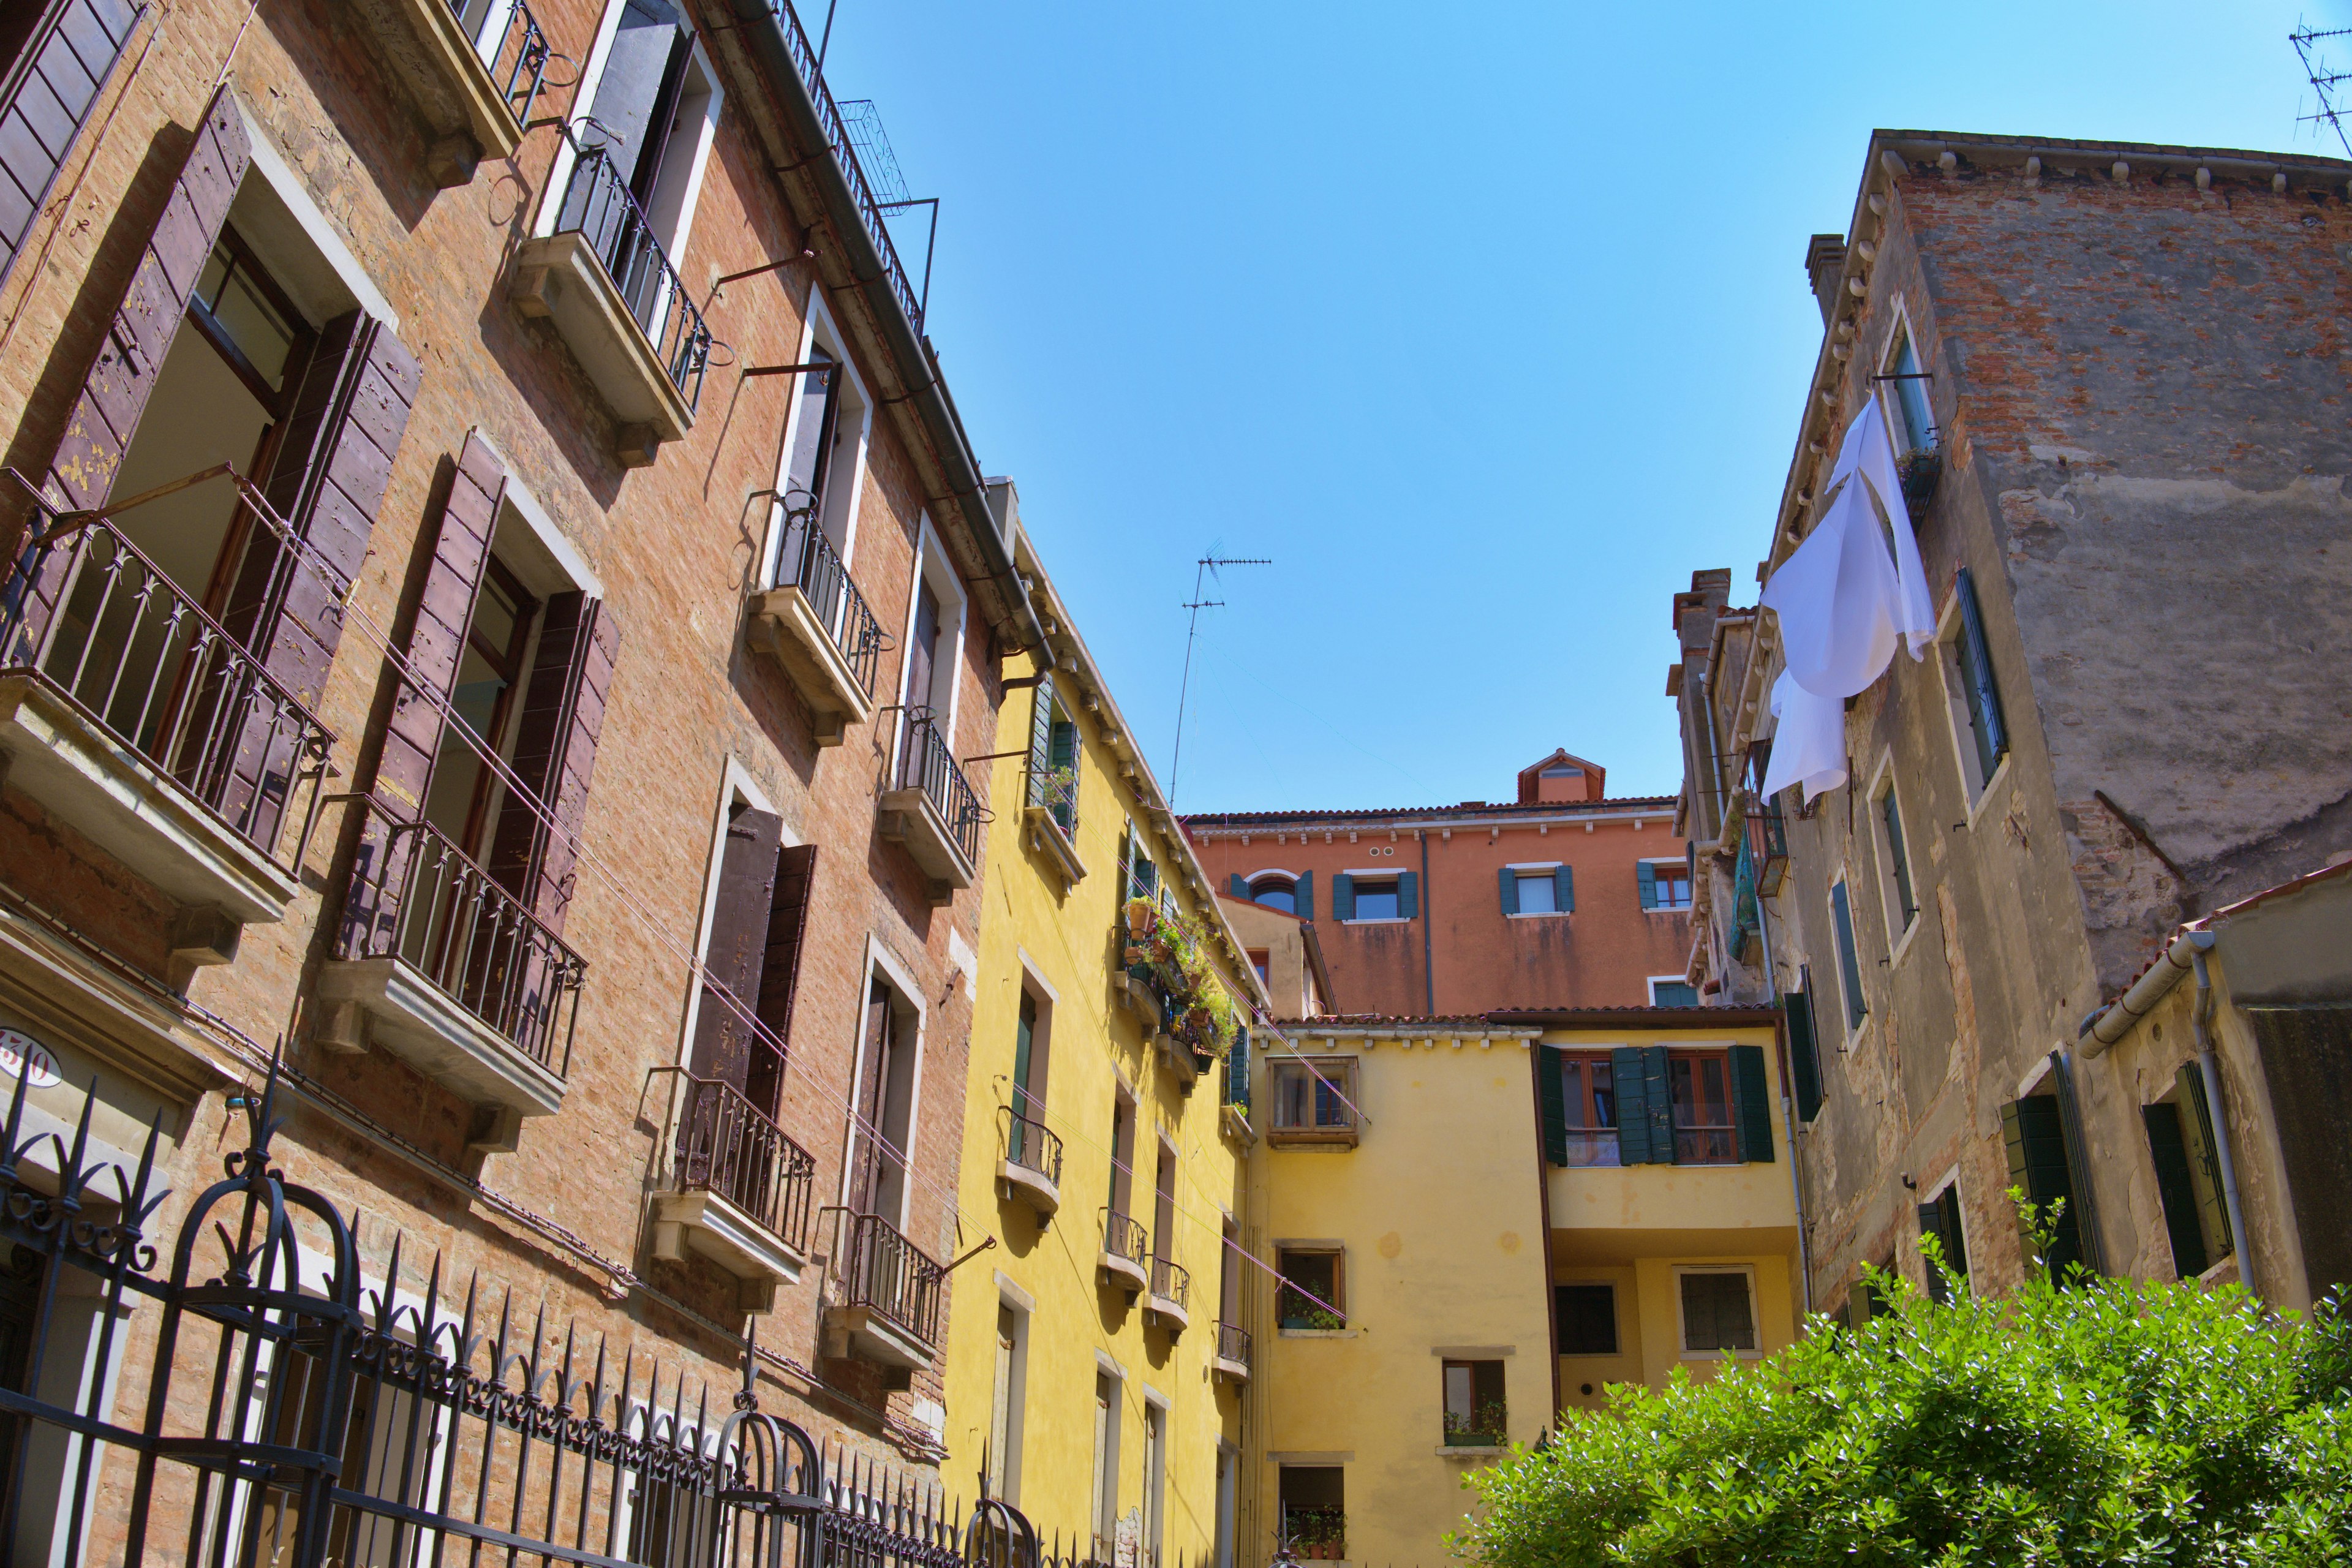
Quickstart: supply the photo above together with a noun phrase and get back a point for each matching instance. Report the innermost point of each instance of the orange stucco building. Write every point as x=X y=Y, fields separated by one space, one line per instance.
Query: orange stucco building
x=1560 y=898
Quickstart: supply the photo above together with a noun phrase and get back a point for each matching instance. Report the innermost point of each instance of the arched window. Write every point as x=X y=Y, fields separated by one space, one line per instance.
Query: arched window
x=1276 y=894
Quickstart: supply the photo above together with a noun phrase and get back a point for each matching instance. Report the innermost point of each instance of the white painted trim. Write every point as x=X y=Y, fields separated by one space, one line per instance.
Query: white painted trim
x=672 y=218
x=878 y=957
x=1650 y=988
x=1012 y=1295
x=591 y=77
x=1533 y=865
x=1544 y=914
x=736 y=782
x=287 y=187
x=1036 y=974
x=568 y=559
x=1382 y=920
x=932 y=564
x=1251 y=877
x=1107 y=1367
x=1156 y=1399
x=818 y=329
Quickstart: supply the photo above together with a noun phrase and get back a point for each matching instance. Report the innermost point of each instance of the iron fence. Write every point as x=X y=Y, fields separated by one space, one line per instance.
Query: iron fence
x=886 y=1272
x=1031 y=1145
x=1124 y=1237
x=413 y=896
x=86 y=610
x=728 y=1146
x=809 y=562
x=927 y=764
x=512 y=47
x=598 y=204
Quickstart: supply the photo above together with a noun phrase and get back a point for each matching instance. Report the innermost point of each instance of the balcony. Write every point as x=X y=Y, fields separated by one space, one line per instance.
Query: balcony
x=474 y=69
x=1230 y=1358
x=737 y=1190
x=817 y=626
x=438 y=964
x=1171 y=1291
x=611 y=293
x=140 y=721
x=1125 y=1260
x=1031 y=1169
x=933 y=811
x=888 y=1309
x=1316 y=1533
x=1768 y=841
x=1051 y=820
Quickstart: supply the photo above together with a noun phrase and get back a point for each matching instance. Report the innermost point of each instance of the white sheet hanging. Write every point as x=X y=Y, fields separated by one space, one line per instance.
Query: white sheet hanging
x=1868 y=449
x=1808 y=740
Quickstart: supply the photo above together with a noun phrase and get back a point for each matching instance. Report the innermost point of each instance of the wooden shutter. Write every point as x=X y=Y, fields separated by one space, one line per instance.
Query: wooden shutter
x=2175 y=1188
x=1564 y=888
x=1751 y=1105
x=1657 y=1097
x=1237 y=887
x=2204 y=1149
x=1507 y=881
x=1407 y=894
x=1343 y=895
x=1553 y=1097
x=1041 y=738
x=1849 y=962
x=436 y=637
x=555 y=754
x=1633 y=1105
x=1645 y=876
x=780 y=970
x=1796 y=1008
x=1237 y=1069
x=735 y=954
x=638 y=67
x=2035 y=1135
x=1983 y=693
x=1304 y=896
x=1931 y=1223
x=47 y=98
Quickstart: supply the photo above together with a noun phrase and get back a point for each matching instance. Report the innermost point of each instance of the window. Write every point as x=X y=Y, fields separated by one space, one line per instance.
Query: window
x=1589 y=1097
x=1536 y=893
x=884 y=1100
x=1053 y=762
x=1665 y=884
x=1258 y=961
x=2040 y=1164
x=1155 y=1476
x=1026 y=1140
x=1004 y=1456
x=1804 y=1059
x=1314 y=1101
x=646 y=134
x=54 y=58
x=933 y=642
x=1376 y=900
x=1673 y=991
x=1276 y=894
x=1848 y=961
x=1475 y=1414
x=1108 y=1389
x=1910 y=420
x=2189 y=1174
x=1939 y=1218
x=1701 y=1084
x=1137 y=875
x=1310 y=1296
x=1588 y=1318
x=1979 y=730
x=1122 y=1153
x=1548 y=889
x=1314 y=1500
x=1716 y=1312
x=1895 y=867
x=751 y=956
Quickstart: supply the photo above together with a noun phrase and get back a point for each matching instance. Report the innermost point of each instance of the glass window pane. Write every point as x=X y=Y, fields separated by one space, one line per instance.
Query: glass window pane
x=1376 y=900
x=1276 y=894
x=1536 y=890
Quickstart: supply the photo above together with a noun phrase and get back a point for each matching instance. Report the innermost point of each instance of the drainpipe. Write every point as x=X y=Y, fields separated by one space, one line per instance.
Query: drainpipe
x=2209 y=1069
x=1788 y=1098
x=1428 y=920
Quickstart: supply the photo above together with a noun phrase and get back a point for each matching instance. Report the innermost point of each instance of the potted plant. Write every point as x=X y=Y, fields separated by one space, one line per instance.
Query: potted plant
x=1919 y=469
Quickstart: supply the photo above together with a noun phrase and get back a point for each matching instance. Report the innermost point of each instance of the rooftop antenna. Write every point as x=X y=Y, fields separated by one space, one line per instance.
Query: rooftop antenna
x=2324 y=81
x=1207 y=567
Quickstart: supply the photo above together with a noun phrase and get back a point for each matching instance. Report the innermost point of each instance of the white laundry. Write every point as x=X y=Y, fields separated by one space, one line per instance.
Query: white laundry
x=1808 y=740
x=1869 y=449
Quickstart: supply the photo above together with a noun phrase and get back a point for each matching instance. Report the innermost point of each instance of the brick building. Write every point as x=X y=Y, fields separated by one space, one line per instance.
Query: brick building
x=2111 y=366
x=547 y=740
x=1561 y=897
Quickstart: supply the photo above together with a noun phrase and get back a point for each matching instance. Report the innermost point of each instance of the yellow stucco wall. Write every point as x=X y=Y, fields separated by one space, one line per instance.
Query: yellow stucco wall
x=1059 y=942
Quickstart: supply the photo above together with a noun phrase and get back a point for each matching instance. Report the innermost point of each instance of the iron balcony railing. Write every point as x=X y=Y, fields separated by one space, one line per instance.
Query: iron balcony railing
x=888 y=1274
x=728 y=1146
x=1171 y=1281
x=837 y=136
x=1123 y=1237
x=1031 y=1145
x=810 y=563
x=1233 y=1343
x=512 y=46
x=597 y=202
x=1057 y=790
x=84 y=609
x=927 y=764
x=416 y=897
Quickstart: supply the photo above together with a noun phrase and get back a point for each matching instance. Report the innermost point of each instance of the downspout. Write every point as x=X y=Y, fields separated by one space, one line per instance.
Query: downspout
x=1428 y=918
x=2209 y=1069
x=1788 y=1098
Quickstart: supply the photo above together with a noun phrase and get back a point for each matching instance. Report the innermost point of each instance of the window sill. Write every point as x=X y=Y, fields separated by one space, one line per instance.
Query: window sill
x=1476 y=1451
x=1903 y=943
x=1667 y=909
x=1539 y=914
x=1718 y=1355
x=1382 y=921
x=1992 y=785
x=1315 y=1333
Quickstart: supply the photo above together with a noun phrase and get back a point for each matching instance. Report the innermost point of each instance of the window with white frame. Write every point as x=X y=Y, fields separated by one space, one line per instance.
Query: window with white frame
x=1663 y=884
x=823 y=474
x=1849 y=958
x=633 y=167
x=933 y=641
x=1546 y=888
x=1910 y=418
x=1896 y=895
x=1672 y=991
x=1973 y=692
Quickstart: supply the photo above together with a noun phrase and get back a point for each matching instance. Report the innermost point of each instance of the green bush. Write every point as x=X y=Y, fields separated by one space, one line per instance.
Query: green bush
x=2109 y=1422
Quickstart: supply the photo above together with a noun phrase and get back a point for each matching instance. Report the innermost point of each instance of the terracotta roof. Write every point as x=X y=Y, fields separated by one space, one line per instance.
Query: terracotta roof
x=1504 y=808
x=1367 y=1020
x=1666 y=1016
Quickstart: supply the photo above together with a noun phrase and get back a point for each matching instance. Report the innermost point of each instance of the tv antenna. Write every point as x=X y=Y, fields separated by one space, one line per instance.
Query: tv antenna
x=1206 y=568
x=2324 y=81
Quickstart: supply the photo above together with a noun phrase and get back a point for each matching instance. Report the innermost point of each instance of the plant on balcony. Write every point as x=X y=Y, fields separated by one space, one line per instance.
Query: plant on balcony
x=1919 y=469
x=1296 y=1309
x=1169 y=947
x=1484 y=1427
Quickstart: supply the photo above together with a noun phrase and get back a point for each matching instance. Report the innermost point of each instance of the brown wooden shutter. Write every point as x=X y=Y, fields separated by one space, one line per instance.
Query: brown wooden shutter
x=734 y=957
x=787 y=925
x=555 y=753
x=45 y=99
x=437 y=641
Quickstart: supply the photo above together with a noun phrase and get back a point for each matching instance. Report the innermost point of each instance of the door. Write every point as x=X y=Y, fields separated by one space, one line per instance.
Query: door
x=921 y=652
x=1016 y=1136
x=879 y=1174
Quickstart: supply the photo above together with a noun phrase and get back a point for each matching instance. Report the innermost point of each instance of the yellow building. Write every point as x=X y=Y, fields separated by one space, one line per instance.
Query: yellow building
x=1084 y=1381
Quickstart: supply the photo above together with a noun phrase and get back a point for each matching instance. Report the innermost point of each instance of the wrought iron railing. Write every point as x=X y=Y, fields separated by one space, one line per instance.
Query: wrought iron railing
x=1171 y=1281
x=844 y=152
x=1031 y=1145
x=85 y=609
x=416 y=897
x=597 y=202
x=1057 y=790
x=512 y=49
x=1123 y=1237
x=728 y=1146
x=890 y=1275
x=1233 y=1343
x=809 y=562
x=927 y=764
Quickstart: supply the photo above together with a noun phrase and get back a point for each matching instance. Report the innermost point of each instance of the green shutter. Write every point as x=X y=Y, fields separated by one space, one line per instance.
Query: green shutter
x=1564 y=888
x=1633 y=1106
x=2175 y=1188
x=1508 y=880
x=1849 y=962
x=1041 y=738
x=1931 y=1223
x=1646 y=876
x=1751 y=1104
x=1343 y=895
x=1977 y=679
x=2036 y=1139
x=1305 y=895
x=1554 y=1104
x=2204 y=1151
x=1796 y=1008
x=1237 y=1070
x=1237 y=887
x=1658 y=1101
x=1407 y=894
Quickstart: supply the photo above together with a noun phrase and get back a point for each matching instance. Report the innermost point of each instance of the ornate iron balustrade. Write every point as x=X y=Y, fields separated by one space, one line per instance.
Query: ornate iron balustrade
x=97 y=619
x=844 y=152
x=1171 y=1281
x=809 y=562
x=416 y=897
x=891 y=1274
x=1124 y=1237
x=730 y=1146
x=597 y=202
x=927 y=764
x=515 y=52
x=1233 y=1343
x=1031 y=1145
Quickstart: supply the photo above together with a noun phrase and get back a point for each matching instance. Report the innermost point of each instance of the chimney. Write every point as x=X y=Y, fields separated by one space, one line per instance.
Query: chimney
x=1825 y=264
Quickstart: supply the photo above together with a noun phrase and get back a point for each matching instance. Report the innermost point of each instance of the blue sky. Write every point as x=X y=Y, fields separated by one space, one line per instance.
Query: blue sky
x=1487 y=324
